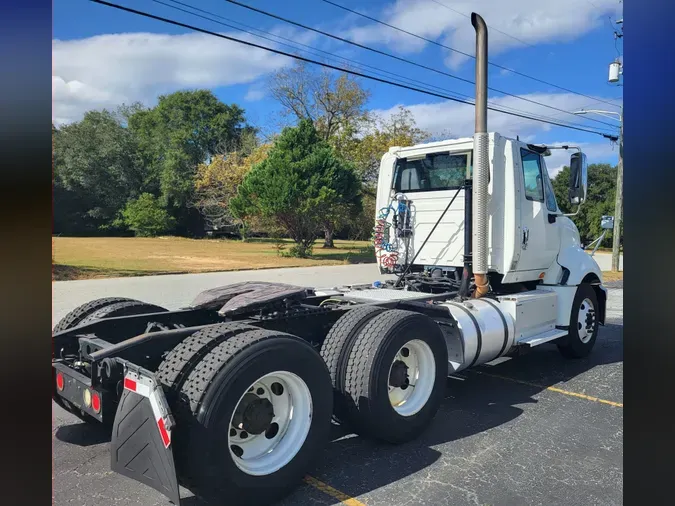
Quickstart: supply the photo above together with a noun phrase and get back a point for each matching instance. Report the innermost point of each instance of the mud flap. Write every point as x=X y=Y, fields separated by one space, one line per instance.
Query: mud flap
x=140 y=447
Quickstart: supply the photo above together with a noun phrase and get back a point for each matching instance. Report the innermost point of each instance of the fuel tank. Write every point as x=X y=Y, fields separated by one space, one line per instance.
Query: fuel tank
x=484 y=332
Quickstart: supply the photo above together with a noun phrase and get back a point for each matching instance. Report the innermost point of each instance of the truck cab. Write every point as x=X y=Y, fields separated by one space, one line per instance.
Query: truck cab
x=529 y=238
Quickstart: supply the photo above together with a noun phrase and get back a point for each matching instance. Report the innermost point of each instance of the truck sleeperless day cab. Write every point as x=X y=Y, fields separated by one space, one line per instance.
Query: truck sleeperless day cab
x=232 y=396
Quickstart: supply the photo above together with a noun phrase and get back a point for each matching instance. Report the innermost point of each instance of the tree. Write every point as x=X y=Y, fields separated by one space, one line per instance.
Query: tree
x=299 y=185
x=183 y=130
x=146 y=217
x=366 y=150
x=329 y=101
x=600 y=200
x=217 y=182
x=334 y=103
x=96 y=170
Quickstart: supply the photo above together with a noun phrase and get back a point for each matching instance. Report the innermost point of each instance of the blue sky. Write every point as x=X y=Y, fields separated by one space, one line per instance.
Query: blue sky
x=103 y=57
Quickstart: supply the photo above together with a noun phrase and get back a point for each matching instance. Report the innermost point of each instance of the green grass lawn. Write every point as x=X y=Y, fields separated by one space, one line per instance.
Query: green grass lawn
x=103 y=257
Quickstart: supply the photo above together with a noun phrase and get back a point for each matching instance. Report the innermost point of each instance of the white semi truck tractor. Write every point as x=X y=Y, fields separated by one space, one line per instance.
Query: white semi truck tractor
x=234 y=395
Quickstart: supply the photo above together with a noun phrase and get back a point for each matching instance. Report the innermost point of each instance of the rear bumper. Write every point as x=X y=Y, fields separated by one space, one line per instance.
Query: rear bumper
x=77 y=391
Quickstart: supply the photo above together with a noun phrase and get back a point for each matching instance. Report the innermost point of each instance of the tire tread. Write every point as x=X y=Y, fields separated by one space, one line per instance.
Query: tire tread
x=202 y=375
x=125 y=308
x=179 y=362
x=74 y=317
x=337 y=342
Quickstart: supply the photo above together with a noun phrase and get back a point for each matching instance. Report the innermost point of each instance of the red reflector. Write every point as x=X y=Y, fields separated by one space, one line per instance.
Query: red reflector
x=163 y=432
x=96 y=402
x=59 y=381
x=130 y=384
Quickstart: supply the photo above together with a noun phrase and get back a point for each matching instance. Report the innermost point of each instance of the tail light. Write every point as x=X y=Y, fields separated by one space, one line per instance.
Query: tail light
x=60 y=382
x=96 y=402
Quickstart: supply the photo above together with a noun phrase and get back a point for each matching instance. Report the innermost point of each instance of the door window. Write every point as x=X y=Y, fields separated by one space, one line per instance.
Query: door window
x=534 y=188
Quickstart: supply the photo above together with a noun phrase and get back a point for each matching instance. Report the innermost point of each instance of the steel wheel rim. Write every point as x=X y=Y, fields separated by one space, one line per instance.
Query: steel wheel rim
x=267 y=452
x=586 y=314
x=421 y=375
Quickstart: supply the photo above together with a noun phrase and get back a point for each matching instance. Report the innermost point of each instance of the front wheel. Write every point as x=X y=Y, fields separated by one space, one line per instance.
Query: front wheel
x=583 y=324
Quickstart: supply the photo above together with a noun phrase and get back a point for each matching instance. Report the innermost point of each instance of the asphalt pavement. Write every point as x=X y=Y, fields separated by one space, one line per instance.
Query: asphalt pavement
x=535 y=429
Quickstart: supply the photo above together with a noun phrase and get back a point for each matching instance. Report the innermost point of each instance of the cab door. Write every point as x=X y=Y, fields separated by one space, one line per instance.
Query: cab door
x=539 y=234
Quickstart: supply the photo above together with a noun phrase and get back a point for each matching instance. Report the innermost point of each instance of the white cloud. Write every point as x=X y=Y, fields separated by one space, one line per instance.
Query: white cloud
x=458 y=119
x=531 y=21
x=106 y=70
x=254 y=94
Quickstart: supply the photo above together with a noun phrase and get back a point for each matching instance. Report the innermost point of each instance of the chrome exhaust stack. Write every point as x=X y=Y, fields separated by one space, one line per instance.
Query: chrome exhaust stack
x=481 y=162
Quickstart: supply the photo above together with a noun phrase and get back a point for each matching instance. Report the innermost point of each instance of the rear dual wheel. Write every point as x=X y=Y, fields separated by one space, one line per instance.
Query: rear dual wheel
x=253 y=409
x=390 y=372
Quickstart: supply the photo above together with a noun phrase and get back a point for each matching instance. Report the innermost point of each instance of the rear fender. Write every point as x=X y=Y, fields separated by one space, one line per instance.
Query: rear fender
x=140 y=447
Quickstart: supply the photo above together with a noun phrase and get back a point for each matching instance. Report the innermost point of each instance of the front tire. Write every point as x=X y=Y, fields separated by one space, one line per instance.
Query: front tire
x=255 y=411
x=583 y=324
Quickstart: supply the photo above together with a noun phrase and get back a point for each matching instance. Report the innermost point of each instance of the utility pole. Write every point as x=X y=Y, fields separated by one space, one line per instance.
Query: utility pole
x=618 y=204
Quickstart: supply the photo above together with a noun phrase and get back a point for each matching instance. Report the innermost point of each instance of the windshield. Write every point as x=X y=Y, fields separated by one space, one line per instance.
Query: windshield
x=439 y=171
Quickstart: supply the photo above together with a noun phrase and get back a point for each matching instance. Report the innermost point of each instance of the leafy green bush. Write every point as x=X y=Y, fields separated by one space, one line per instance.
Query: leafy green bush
x=146 y=217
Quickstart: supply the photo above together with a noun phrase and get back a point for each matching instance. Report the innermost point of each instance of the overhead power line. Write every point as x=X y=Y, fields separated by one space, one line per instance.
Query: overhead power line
x=410 y=62
x=453 y=49
x=330 y=56
x=292 y=43
x=348 y=71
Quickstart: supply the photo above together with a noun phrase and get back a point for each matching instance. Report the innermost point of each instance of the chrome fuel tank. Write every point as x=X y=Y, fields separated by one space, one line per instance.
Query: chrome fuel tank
x=484 y=331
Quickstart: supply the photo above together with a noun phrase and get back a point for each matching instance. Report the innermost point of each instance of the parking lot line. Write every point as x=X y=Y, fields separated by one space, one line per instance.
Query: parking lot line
x=552 y=389
x=333 y=492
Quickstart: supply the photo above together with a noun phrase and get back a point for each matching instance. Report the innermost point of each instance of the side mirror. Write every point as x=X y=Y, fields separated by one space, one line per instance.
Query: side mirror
x=578 y=178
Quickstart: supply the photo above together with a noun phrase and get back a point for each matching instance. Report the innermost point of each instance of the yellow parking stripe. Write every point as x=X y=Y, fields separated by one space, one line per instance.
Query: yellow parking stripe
x=552 y=389
x=333 y=492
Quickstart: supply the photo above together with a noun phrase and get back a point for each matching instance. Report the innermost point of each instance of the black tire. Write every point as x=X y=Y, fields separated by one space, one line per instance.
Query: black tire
x=336 y=348
x=179 y=362
x=571 y=346
x=367 y=377
x=126 y=308
x=209 y=396
x=75 y=317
